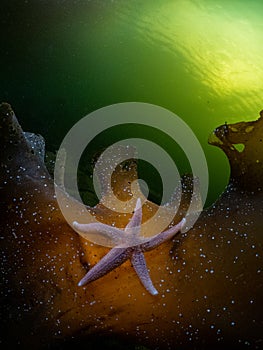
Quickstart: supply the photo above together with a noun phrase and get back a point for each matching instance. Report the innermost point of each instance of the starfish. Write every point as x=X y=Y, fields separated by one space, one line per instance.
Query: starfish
x=128 y=246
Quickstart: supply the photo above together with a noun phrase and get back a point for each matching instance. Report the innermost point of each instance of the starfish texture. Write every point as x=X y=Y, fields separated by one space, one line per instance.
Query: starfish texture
x=128 y=246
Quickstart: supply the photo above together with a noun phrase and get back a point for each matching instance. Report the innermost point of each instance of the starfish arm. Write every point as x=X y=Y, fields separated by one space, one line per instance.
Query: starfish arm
x=109 y=262
x=139 y=265
x=134 y=225
x=162 y=237
x=109 y=233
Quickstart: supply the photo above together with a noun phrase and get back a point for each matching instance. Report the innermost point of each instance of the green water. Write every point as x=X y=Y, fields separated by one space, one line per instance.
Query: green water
x=200 y=59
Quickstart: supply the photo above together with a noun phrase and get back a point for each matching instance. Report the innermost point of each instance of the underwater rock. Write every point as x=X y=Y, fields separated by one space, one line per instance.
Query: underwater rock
x=243 y=145
x=210 y=279
x=37 y=144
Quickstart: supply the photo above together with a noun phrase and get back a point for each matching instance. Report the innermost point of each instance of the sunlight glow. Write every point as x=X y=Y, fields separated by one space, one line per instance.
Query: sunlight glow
x=223 y=49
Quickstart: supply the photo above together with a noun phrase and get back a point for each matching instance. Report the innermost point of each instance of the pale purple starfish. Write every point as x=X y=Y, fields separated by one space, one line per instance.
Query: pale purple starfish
x=128 y=246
